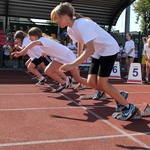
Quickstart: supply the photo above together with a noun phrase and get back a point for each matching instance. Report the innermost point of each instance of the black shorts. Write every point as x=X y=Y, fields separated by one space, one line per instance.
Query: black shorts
x=39 y=60
x=103 y=66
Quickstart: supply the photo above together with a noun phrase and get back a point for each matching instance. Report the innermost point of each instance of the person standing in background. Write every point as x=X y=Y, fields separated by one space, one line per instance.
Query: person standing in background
x=6 y=55
x=130 y=51
x=143 y=62
x=147 y=56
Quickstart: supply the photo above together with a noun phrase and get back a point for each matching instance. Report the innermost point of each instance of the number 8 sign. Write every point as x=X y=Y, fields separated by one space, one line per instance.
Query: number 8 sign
x=135 y=73
x=115 y=73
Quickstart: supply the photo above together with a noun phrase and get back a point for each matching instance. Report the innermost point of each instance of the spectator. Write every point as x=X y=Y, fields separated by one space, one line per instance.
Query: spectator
x=21 y=28
x=6 y=55
x=46 y=31
x=71 y=46
x=130 y=52
x=63 y=36
x=28 y=28
x=8 y=29
x=136 y=55
x=123 y=57
x=120 y=52
x=10 y=36
x=147 y=56
x=143 y=62
x=15 y=28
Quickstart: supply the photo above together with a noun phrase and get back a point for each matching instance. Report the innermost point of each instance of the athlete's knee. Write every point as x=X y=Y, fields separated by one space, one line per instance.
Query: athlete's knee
x=29 y=67
x=26 y=64
x=46 y=71
x=91 y=82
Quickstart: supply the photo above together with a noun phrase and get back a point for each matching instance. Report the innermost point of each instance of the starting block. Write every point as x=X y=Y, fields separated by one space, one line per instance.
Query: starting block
x=135 y=74
x=143 y=111
x=115 y=73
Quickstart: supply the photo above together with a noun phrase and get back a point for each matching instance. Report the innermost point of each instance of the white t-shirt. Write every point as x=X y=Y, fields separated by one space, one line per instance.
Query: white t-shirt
x=34 y=52
x=85 y=30
x=128 y=46
x=56 y=50
x=147 y=49
x=6 y=50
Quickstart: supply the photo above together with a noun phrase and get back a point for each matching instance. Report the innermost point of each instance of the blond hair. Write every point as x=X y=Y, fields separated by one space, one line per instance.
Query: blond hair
x=148 y=40
x=65 y=9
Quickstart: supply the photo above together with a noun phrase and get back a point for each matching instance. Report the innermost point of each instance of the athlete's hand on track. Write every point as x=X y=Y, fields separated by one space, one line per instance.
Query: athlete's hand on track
x=67 y=67
x=16 y=54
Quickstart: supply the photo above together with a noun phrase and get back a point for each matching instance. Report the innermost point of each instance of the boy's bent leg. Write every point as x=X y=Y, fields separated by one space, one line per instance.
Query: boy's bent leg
x=76 y=75
x=103 y=85
x=32 y=68
x=129 y=109
x=51 y=71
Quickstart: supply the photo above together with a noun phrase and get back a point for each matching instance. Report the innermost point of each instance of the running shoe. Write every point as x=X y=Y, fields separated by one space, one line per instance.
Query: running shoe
x=99 y=95
x=146 y=81
x=42 y=82
x=62 y=86
x=69 y=82
x=119 y=107
x=127 y=113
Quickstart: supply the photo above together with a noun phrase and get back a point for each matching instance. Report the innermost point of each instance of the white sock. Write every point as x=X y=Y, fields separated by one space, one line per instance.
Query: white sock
x=127 y=105
x=42 y=78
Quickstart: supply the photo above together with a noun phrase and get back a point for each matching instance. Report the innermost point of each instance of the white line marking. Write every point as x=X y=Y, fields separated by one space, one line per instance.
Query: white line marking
x=44 y=108
x=108 y=123
x=10 y=94
x=71 y=139
x=53 y=108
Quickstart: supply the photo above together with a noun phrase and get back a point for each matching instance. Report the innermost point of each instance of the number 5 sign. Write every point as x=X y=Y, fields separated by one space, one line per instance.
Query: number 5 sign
x=115 y=73
x=135 y=73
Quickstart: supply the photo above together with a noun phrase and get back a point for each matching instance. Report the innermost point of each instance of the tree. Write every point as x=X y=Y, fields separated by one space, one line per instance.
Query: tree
x=142 y=9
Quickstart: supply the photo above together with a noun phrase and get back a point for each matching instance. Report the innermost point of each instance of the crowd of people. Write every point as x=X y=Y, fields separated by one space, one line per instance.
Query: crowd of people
x=9 y=47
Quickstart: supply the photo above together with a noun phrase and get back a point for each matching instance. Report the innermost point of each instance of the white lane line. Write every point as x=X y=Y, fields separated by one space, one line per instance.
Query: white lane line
x=44 y=108
x=108 y=123
x=55 y=108
x=10 y=85
x=10 y=94
x=70 y=140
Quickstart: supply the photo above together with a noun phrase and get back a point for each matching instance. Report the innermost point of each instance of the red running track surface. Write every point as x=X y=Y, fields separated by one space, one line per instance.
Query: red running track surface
x=34 y=118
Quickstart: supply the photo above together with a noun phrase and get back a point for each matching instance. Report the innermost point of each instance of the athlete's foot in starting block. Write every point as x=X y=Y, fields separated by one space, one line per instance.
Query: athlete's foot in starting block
x=119 y=107
x=142 y=111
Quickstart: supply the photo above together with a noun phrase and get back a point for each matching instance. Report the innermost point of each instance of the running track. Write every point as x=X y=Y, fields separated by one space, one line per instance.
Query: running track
x=34 y=118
